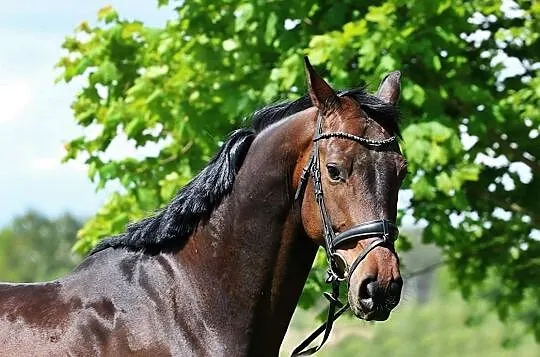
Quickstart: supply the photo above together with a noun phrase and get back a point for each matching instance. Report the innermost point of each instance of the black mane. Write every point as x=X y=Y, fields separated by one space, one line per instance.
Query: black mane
x=170 y=227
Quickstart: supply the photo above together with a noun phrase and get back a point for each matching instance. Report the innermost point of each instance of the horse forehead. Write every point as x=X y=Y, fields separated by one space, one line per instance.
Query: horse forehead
x=351 y=118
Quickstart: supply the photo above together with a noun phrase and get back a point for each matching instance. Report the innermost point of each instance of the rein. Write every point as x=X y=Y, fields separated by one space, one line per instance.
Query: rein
x=383 y=231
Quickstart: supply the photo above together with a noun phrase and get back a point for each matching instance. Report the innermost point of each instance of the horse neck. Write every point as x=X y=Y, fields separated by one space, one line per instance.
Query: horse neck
x=252 y=255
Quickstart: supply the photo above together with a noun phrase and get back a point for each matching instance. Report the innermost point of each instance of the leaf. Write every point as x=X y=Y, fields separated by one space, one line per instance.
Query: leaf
x=130 y=29
x=230 y=45
x=135 y=127
x=376 y=14
x=380 y=14
x=108 y=72
x=438 y=132
x=156 y=71
x=319 y=49
x=107 y=14
x=157 y=93
x=436 y=63
x=82 y=65
x=271 y=28
x=387 y=63
x=422 y=189
x=354 y=29
x=243 y=14
x=444 y=183
x=468 y=172
x=443 y=5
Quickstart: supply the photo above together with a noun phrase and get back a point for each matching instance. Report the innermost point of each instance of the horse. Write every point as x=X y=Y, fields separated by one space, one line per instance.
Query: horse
x=219 y=270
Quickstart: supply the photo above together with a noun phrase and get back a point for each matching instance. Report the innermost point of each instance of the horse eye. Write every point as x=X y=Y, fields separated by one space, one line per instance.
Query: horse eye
x=334 y=172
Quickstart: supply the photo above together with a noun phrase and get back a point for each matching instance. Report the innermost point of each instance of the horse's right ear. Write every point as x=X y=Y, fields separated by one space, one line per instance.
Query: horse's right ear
x=321 y=94
x=390 y=88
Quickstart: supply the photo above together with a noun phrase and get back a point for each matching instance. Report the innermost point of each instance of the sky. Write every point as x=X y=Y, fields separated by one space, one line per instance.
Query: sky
x=35 y=114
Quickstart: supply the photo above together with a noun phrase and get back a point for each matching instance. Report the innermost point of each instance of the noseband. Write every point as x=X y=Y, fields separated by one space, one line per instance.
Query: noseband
x=382 y=231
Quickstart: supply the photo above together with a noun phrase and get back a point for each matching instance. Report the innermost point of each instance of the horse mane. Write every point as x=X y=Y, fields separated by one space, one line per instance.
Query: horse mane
x=171 y=226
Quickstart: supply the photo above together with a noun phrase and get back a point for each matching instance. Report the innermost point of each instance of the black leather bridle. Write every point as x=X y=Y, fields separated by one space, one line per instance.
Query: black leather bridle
x=382 y=231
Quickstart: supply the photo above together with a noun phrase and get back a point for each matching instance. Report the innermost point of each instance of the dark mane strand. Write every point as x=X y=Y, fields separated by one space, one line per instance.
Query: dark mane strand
x=194 y=202
x=170 y=227
x=273 y=113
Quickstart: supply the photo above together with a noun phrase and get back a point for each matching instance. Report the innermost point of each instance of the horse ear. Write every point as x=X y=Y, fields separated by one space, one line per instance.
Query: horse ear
x=321 y=94
x=390 y=88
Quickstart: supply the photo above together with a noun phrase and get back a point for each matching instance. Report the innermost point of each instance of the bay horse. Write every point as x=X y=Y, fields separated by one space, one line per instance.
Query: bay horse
x=220 y=269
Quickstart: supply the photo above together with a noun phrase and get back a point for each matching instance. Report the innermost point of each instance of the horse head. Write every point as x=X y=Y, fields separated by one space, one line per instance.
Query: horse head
x=356 y=169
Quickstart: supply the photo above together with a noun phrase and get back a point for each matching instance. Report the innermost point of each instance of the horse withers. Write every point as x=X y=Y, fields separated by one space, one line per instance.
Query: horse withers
x=220 y=269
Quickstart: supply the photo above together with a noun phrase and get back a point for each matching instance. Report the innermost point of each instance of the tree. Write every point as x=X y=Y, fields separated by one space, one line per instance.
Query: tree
x=36 y=248
x=183 y=86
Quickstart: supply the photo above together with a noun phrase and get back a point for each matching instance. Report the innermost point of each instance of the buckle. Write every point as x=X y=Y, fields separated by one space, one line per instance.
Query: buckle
x=338 y=269
x=386 y=230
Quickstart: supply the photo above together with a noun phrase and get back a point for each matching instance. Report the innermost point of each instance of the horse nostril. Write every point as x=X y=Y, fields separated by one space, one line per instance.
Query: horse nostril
x=396 y=285
x=373 y=289
x=368 y=287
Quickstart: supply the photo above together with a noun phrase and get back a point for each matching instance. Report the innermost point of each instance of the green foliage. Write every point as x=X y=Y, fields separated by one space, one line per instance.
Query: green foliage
x=183 y=86
x=36 y=248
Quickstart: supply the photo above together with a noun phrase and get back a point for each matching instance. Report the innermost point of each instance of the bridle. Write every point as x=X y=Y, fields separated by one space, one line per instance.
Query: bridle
x=383 y=232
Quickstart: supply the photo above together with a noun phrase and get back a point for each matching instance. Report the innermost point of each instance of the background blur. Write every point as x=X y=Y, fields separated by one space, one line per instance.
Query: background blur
x=144 y=95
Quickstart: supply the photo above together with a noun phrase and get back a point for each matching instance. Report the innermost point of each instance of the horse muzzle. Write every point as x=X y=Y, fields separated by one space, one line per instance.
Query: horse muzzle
x=371 y=300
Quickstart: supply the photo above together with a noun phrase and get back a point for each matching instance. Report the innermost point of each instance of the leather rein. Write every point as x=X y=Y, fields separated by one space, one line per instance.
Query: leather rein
x=382 y=231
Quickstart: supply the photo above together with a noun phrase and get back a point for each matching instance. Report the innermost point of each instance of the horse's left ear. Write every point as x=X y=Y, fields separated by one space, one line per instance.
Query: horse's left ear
x=321 y=94
x=390 y=88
